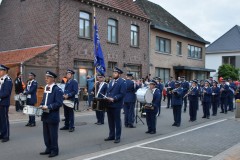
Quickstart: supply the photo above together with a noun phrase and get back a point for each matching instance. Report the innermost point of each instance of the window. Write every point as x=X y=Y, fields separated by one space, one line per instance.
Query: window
x=84 y=25
x=134 y=36
x=163 y=73
x=163 y=45
x=112 y=31
x=194 y=52
x=135 y=70
x=229 y=60
x=110 y=68
x=179 y=48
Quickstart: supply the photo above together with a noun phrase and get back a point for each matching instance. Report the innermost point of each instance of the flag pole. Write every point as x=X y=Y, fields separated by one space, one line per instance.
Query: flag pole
x=95 y=69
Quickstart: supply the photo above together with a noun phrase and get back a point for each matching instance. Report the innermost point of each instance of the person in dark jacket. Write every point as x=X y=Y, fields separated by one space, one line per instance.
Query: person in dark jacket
x=224 y=91
x=170 y=86
x=215 y=97
x=152 y=110
x=206 y=99
x=18 y=90
x=51 y=103
x=185 y=86
x=177 y=95
x=193 y=101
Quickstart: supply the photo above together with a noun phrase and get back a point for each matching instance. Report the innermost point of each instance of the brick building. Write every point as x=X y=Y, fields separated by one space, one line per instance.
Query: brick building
x=123 y=29
x=175 y=50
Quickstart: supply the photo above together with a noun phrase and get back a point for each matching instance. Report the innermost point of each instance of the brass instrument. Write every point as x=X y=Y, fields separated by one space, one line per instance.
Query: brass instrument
x=189 y=91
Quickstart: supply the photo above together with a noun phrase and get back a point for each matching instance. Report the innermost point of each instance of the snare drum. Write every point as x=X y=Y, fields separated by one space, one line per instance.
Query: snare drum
x=22 y=97
x=16 y=97
x=144 y=95
x=39 y=111
x=68 y=103
x=30 y=110
x=99 y=104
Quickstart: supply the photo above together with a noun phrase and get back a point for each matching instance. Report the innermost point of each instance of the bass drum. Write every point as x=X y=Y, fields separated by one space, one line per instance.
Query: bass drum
x=99 y=104
x=144 y=95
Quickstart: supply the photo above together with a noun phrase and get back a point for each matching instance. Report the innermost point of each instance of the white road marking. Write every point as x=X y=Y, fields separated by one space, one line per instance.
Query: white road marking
x=158 y=139
x=178 y=152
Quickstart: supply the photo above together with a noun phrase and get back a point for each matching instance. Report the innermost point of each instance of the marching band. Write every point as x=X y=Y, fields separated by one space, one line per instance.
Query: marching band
x=112 y=97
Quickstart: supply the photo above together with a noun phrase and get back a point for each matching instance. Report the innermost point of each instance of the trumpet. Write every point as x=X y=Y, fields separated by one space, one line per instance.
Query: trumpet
x=189 y=91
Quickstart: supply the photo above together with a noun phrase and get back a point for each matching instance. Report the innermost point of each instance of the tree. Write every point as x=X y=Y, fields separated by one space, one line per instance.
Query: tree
x=228 y=71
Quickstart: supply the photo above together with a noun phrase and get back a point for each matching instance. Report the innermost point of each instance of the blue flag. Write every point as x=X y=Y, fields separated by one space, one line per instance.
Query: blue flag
x=98 y=54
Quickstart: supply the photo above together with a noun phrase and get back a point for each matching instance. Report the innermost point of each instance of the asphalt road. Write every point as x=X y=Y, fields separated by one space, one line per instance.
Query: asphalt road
x=193 y=140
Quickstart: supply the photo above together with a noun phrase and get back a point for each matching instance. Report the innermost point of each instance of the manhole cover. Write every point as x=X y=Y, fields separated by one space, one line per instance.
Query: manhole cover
x=80 y=123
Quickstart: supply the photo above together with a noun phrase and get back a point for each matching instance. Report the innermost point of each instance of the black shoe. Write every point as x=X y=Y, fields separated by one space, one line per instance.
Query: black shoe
x=178 y=125
x=32 y=125
x=213 y=114
x=204 y=117
x=5 y=140
x=96 y=123
x=174 y=124
x=44 y=153
x=108 y=139
x=184 y=110
x=1 y=137
x=131 y=126
x=208 y=117
x=221 y=112
x=63 y=119
x=64 y=128
x=100 y=123
x=117 y=141
x=225 y=112
x=152 y=132
x=28 y=124
x=148 y=132
x=71 y=129
x=52 y=154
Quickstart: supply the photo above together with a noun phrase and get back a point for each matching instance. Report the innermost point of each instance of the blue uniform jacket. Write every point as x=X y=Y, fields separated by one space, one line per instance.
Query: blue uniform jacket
x=155 y=101
x=103 y=90
x=216 y=90
x=130 y=93
x=185 y=86
x=232 y=88
x=207 y=95
x=71 y=89
x=177 y=96
x=117 y=92
x=54 y=102
x=31 y=90
x=5 y=92
x=225 y=92
x=170 y=84
x=193 y=95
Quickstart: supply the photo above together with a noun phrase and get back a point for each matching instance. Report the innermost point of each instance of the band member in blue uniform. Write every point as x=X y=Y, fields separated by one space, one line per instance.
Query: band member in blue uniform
x=193 y=101
x=31 y=93
x=215 y=97
x=206 y=99
x=170 y=85
x=5 y=94
x=100 y=93
x=232 y=89
x=18 y=90
x=51 y=103
x=70 y=90
x=177 y=95
x=224 y=91
x=129 y=101
x=152 y=109
x=185 y=86
x=160 y=87
x=115 y=93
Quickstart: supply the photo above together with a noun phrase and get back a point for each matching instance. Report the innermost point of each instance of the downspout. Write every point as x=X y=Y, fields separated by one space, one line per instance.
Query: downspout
x=149 y=48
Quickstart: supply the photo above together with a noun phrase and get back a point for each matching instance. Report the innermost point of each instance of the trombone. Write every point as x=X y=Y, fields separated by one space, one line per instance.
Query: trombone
x=189 y=91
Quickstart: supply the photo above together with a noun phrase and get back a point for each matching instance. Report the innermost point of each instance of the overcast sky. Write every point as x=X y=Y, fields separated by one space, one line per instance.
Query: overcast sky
x=208 y=18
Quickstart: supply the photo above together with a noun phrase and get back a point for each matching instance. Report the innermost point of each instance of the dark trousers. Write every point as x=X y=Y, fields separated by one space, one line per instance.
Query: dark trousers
x=76 y=104
x=151 y=121
x=206 y=109
x=129 y=114
x=185 y=102
x=50 y=135
x=177 y=112
x=69 y=117
x=31 y=117
x=215 y=107
x=193 y=106
x=230 y=102
x=4 y=122
x=100 y=116
x=224 y=104
x=18 y=106
x=114 y=123
x=169 y=100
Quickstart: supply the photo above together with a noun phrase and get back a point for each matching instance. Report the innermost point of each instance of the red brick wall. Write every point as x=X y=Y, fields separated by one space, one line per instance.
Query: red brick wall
x=72 y=47
x=28 y=23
